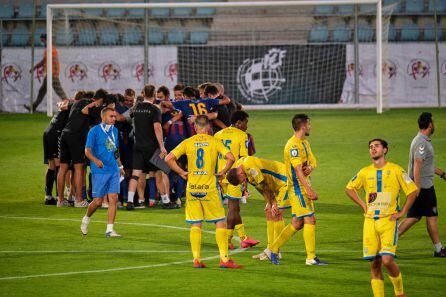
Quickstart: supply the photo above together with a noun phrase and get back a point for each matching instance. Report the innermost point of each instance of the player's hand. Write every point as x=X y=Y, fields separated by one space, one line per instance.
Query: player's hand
x=312 y=195
x=184 y=175
x=396 y=216
x=163 y=152
x=98 y=163
x=307 y=170
x=191 y=119
x=267 y=207
x=275 y=209
x=122 y=171
x=220 y=175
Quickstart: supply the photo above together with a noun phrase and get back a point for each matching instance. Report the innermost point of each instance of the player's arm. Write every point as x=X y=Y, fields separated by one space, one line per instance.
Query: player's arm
x=304 y=182
x=352 y=189
x=440 y=172
x=229 y=157
x=224 y=101
x=268 y=195
x=410 y=189
x=159 y=132
x=173 y=156
x=218 y=123
x=86 y=109
x=88 y=153
x=174 y=119
x=410 y=200
x=417 y=164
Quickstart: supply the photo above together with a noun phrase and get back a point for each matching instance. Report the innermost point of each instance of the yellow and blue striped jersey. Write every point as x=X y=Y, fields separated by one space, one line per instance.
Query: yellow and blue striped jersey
x=382 y=187
x=234 y=140
x=297 y=152
x=202 y=153
x=258 y=170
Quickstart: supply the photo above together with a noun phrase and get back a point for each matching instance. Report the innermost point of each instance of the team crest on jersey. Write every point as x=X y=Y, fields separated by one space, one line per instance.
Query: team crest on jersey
x=260 y=78
x=253 y=172
x=11 y=73
x=109 y=71
x=76 y=71
x=294 y=153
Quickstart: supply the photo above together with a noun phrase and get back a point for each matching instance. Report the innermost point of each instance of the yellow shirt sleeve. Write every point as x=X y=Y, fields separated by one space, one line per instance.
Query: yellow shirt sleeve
x=179 y=150
x=221 y=148
x=253 y=172
x=406 y=183
x=243 y=145
x=295 y=156
x=356 y=183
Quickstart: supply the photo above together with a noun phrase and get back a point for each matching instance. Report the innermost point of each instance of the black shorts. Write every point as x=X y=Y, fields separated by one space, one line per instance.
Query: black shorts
x=425 y=205
x=72 y=148
x=51 y=145
x=141 y=160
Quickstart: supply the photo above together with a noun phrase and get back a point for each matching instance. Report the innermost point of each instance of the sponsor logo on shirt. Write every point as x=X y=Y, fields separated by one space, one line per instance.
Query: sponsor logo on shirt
x=200 y=172
x=199 y=187
x=201 y=144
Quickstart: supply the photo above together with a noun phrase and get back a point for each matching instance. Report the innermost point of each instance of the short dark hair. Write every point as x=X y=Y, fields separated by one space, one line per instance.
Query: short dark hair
x=203 y=85
x=120 y=97
x=210 y=90
x=89 y=95
x=178 y=87
x=424 y=120
x=139 y=99
x=164 y=90
x=232 y=177
x=110 y=98
x=189 y=92
x=100 y=94
x=382 y=141
x=239 y=115
x=129 y=92
x=299 y=120
x=106 y=109
x=149 y=91
x=79 y=95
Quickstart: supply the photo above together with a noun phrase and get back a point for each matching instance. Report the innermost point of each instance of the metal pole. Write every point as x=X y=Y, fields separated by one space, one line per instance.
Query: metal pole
x=437 y=54
x=49 y=60
x=33 y=32
x=146 y=45
x=379 y=59
x=1 y=49
x=356 y=47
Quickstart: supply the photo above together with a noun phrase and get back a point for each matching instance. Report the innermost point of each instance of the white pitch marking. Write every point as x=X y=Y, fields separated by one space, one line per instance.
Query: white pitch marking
x=110 y=269
x=95 y=252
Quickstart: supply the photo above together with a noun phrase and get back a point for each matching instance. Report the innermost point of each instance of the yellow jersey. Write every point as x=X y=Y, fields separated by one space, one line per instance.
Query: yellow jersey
x=202 y=153
x=297 y=152
x=382 y=188
x=257 y=170
x=234 y=140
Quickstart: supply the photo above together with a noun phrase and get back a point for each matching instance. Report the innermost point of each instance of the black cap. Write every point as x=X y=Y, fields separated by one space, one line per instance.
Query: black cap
x=100 y=94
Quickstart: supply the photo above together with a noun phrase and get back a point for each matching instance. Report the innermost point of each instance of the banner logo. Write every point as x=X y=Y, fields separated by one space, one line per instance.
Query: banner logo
x=171 y=70
x=260 y=78
x=109 y=71
x=351 y=69
x=76 y=71
x=138 y=71
x=389 y=69
x=11 y=73
x=418 y=69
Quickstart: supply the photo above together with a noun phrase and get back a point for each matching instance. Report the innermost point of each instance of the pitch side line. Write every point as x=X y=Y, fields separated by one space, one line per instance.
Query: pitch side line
x=110 y=269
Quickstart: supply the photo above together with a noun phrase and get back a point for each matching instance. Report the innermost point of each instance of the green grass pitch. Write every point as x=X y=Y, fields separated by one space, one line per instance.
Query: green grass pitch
x=44 y=242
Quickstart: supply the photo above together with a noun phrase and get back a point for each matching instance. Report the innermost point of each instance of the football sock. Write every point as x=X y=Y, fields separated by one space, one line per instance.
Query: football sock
x=270 y=232
x=310 y=240
x=109 y=228
x=165 y=198
x=230 y=233
x=222 y=242
x=240 y=228
x=195 y=241
x=438 y=247
x=377 y=287
x=130 y=197
x=49 y=181
x=278 y=227
x=397 y=283
x=283 y=238
x=86 y=219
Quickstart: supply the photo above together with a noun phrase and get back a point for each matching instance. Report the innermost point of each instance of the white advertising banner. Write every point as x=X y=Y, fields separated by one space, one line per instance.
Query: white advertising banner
x=84 y=68
x=409 y=74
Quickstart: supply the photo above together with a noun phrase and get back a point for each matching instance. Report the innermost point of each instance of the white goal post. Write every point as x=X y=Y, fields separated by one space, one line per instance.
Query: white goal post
x=256 y=4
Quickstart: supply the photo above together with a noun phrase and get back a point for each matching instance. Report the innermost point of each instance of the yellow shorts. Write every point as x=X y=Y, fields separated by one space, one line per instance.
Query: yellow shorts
x=301 y=205
x=204 y=207
x=283 y=201
x=380 y=237
x=231 y=192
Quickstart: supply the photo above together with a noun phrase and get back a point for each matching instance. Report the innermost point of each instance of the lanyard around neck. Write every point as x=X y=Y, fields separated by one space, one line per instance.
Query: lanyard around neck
x=112 y=139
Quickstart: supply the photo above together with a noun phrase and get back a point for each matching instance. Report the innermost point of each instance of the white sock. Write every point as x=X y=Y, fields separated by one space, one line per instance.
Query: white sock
x=109 y=228
x=86 y=219
x=142 y=201
x=130 y=197
x=165 y=198
x=438 y=247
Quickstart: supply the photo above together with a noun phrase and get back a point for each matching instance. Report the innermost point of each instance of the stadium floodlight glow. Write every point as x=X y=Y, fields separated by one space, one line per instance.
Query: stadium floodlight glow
x=51 y=8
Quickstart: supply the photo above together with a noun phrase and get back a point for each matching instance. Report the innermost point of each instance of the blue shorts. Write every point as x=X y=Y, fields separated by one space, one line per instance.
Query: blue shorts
x=103 y=184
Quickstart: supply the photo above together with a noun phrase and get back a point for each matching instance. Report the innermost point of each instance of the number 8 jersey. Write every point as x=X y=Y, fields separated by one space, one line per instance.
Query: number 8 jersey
x=202 y=153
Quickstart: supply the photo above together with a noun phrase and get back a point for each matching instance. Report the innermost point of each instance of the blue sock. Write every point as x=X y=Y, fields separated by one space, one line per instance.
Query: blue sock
x=152 y=188
x=180 y=186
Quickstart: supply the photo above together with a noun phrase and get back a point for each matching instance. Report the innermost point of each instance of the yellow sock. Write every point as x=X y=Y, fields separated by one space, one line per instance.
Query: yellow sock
x=378 y=287
x=278 y=227
x=222 y=242
x=310 y=240
x=270 y=233
x=397 y=283
x=284 y=236
x=195 y=241
x=240 y=228
x=230 y=234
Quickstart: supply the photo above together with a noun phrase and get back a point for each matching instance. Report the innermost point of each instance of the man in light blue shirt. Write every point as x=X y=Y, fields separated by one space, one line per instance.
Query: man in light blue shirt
x=106 y=168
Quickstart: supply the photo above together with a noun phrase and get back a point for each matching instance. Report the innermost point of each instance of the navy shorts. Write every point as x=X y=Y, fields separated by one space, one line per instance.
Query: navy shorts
x=103 y=184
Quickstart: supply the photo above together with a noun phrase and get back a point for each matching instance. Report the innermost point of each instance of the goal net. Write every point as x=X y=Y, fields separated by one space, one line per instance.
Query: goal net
x=271 y=54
